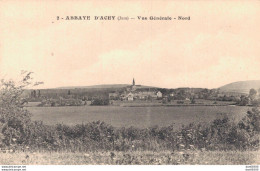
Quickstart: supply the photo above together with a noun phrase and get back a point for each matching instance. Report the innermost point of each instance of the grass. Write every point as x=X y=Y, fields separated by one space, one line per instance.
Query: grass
x=140 y=117
x=134 y=157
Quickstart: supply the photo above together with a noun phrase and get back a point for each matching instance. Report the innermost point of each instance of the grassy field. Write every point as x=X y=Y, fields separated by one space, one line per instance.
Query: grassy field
x=141 y=117
x=198 y=102
x=136 y=157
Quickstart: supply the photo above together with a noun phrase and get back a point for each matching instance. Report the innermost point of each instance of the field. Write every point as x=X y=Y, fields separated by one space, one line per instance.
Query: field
x=153 y=103
x=136 y=157
x=141 y=117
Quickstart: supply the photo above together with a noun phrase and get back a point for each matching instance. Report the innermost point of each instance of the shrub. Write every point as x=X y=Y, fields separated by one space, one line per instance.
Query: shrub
x=14 y=119
x=180 y=102
x=251 y=122
x=255 y=102
x=100 y=102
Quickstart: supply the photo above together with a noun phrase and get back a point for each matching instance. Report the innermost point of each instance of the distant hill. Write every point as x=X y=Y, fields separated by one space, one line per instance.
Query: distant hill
x=104 y=86
x=241 y=86
x=96 y=86
x=95 y=90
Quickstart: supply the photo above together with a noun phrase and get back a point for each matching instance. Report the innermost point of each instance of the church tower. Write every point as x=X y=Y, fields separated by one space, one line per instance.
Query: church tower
x=133 y=81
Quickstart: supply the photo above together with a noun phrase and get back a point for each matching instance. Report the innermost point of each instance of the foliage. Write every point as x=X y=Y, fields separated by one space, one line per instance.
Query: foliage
x=14 y=119
x=100 y=102
x=193 y=101
x=243 y=101
x=251 y=122
x=61 y=102
x=252 y=94
x=220 y=134
x=180 y=102
x=255 y=102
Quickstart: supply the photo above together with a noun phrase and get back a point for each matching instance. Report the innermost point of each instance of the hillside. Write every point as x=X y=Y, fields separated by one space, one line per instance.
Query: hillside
x=96 y=86
x=103 y=86
x=241 y=86
x=95 y=90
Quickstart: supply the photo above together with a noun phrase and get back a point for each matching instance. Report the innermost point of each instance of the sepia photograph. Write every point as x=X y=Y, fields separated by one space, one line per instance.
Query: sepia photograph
x=129 y=83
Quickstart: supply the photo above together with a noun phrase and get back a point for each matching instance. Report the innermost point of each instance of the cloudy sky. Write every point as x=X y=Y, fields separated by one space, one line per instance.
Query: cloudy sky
x=219 y=45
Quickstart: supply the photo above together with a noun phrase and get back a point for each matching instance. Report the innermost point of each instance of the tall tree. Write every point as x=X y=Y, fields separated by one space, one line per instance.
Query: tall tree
x=39 y=93
x=252 y=94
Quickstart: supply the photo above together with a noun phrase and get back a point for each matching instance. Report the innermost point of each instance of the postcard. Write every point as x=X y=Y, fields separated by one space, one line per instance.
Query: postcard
x=129 y=83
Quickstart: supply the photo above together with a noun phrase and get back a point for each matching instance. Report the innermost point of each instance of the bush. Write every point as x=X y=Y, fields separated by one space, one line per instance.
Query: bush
x=243 y=101
x=220 y=134
x=14 y=119
x=180 y=102
x=255 y=102
x=251 y=122
x=100 y=102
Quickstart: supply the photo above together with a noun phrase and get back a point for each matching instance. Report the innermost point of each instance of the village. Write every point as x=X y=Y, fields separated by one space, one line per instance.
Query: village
x=139 y=95
x=132 y=93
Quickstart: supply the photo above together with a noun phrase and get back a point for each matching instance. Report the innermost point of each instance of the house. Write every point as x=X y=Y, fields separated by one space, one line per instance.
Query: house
x=146 y=94
x=159 y=94
x=187 y=101
x=130 y=97
x=88 y=102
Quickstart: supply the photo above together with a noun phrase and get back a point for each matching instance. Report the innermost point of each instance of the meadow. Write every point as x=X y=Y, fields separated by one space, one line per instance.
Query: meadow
x=136 y=158
x=140 y=117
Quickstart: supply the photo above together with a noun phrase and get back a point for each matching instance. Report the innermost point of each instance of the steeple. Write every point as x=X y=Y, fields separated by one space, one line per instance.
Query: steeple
x=133 y=81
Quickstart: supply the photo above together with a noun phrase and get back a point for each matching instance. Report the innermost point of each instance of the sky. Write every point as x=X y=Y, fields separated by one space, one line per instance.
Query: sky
x=219 y=45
